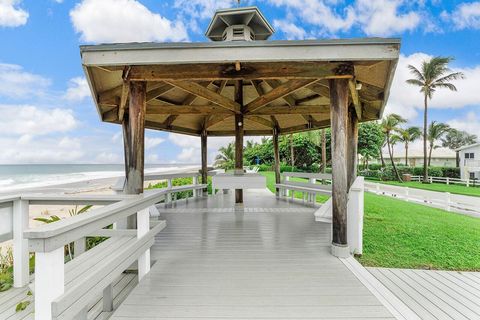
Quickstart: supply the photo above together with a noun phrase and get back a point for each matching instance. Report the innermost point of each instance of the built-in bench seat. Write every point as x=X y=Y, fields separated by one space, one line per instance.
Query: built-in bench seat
x=309 y=189
x=92 y=273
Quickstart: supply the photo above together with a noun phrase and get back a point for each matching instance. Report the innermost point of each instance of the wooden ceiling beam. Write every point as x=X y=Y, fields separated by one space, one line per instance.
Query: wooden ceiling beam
x=245 y=132
x=201 y=91
x=290 y=100
x=158 y=91
x=320 y=89
x=215 y=119
x=352 y=85
x=160 y=126
x=278 y=110
x=186 y=109
x=227 y=71
x=169 y=121
x=123 y=99
x=260 y=120
x=279 y=92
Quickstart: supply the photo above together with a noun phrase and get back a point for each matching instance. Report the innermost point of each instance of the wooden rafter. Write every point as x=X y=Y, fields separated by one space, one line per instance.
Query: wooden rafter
x=260 y=120
x=186 y=109
x=123 y=99
x=227 y=71
x=201 y=91
x=215 y=119
x=352 y=85
x=279 y=92
x=160 y=126
x=162 y=88
x=290 y=100
x=168 y=122
x=320 y=89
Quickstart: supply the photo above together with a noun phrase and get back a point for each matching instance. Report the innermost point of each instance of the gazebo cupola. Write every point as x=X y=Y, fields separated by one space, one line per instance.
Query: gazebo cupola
x=239 y=24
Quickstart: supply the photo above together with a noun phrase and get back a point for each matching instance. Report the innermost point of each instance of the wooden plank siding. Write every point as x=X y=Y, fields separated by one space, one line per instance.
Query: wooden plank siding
x=270 y=261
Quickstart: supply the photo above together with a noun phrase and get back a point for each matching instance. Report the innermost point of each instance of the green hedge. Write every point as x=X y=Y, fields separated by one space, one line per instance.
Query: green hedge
x=387 y=173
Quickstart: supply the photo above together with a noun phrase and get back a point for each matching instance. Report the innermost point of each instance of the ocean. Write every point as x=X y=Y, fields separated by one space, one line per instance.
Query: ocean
x=18 y=177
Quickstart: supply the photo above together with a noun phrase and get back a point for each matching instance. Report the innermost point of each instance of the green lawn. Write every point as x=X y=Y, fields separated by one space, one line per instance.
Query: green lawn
x=407 y=235
x=441 y=187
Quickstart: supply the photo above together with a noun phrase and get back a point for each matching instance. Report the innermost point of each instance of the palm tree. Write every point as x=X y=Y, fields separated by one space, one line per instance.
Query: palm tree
x=407 y=136
x=226 y=157
x=434 y=74
x=391 y=124
x=455 y=139
x=436 y=131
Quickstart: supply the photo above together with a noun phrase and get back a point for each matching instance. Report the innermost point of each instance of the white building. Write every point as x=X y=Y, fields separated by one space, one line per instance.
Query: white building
x=441 y=157
x=470 y=161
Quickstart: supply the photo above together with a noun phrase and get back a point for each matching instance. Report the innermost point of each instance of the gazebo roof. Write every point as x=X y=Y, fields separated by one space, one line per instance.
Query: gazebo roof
x=286 y=83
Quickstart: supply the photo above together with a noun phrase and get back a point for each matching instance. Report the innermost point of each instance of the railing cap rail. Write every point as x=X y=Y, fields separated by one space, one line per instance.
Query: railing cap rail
x=52 y=236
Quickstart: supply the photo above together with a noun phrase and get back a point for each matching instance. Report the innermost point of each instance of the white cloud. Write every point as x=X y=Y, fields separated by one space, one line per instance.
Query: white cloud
x=382 y=17
x=291 y=30
x=406 y=99
x=123 y=21
x=151 y=143
x=467 y=123
x=31 y=120
x=465 y=15
x=18 y=83
x=373 y=17
x=77 y=89
x=11 y=15
x=202 y=9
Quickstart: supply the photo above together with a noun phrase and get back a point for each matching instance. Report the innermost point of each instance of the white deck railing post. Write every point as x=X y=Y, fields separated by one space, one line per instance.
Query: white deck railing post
x=20 y=244
x=143 y=226
x=448 y=200
x=355 y=212
x=49 y=281
x=407 y=194
x=448 y=180
x=195 y=182
x=168 y=200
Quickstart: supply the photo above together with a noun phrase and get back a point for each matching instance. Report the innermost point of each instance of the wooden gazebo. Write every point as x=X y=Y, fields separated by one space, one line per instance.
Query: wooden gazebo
x=241 y=84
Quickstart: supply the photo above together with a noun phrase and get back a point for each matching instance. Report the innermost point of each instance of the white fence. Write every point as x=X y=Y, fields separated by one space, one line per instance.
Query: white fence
x=443 y=200
x=466 y=182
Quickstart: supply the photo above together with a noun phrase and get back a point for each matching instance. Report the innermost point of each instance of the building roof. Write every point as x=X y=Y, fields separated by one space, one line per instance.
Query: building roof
x=190 y=85
x=468 y=147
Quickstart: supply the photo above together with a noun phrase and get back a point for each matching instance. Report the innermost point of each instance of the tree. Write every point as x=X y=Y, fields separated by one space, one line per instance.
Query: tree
x=436 y=131
x=306 y=151
x=433 y=74
x=324 y=150
x=370 y=140
x=390 y=125
x=455 y=139
x=226 y=157
x=407 y=136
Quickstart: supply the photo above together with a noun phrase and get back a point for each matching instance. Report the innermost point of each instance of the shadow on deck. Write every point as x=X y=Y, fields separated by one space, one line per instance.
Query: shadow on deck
x=269 y=261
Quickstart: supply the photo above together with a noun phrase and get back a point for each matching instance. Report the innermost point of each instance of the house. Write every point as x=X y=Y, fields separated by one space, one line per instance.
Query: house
x=440 y=158
x=470 y=161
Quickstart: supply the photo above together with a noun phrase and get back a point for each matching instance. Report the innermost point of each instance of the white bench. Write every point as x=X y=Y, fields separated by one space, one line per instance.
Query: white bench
x=66 y=291
x=309 y=189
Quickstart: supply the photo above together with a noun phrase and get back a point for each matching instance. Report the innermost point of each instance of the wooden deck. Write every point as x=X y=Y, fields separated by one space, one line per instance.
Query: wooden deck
x=269 y=261
x=434 y=294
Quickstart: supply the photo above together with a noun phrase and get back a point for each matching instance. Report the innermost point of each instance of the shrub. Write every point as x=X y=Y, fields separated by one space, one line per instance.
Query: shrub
x=375 y=166
x=451 y=172
x=265 y=167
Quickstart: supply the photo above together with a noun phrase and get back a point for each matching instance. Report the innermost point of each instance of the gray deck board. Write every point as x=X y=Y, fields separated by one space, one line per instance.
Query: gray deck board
x=220 y=263
x=434 y=294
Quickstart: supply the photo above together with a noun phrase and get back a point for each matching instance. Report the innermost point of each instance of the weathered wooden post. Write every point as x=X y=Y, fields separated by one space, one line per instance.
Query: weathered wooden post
x=134 y=141
x=276 y=154
x=239 y=128
x=204 y=169
x=339 y=117
x=352 y=146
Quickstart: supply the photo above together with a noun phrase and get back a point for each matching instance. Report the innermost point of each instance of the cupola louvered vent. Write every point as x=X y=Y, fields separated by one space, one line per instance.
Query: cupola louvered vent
x=239 y=24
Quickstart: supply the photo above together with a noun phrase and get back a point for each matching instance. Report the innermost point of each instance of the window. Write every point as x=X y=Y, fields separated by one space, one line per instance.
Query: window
x=472 y=175
x=470 y=155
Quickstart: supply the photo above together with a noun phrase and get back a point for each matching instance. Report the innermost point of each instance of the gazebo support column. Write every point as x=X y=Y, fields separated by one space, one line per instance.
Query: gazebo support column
x=204 y=169
x=352 y=146
x=339 y=119
x=276 y=155
x=239 y=132
x=134 y=141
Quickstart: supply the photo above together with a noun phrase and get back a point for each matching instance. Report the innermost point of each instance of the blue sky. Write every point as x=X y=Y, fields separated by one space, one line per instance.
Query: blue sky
x=49 y=116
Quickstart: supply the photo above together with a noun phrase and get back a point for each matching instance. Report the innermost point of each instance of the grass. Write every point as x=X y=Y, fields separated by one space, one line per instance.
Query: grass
x=440 y=187
x=401 y=234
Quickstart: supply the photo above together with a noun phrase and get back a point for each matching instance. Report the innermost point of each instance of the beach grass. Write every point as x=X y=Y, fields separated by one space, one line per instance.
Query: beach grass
x=399 y=234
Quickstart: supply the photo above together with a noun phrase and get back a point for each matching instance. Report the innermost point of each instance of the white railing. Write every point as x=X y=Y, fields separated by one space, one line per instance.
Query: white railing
x=446 y=180
x=53 y=299
x=442 y=200
x=355 y=213
x=14 y=219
